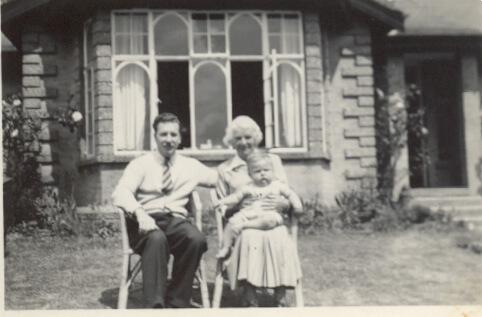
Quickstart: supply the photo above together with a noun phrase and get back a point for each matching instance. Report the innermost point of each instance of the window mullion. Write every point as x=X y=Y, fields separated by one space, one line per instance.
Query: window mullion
x=191 y=105
x=229 y=91
x=191 y=80
x=153 y=73
x=275 y=99
x=208 y=33
x=283 y=35
x=92 y=107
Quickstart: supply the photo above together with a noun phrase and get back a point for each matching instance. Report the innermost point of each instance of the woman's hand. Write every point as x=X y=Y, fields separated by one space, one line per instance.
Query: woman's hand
x=276 y=202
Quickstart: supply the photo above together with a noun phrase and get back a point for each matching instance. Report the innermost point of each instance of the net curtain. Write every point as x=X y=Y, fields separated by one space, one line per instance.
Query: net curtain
x=131 y=113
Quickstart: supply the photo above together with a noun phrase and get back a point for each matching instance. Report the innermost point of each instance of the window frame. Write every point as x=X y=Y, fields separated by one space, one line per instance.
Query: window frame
x=267 y=58
x=89 y=93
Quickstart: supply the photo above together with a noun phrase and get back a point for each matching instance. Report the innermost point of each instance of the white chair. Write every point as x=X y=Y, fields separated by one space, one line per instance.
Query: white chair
x=129 y=272
x=219 y=279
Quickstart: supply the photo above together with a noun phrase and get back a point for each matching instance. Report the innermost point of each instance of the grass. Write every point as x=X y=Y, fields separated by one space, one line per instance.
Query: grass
x=340 y=269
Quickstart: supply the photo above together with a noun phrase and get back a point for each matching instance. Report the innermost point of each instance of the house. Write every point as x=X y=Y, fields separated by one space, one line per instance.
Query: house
x=440 y=52
x=306 y=71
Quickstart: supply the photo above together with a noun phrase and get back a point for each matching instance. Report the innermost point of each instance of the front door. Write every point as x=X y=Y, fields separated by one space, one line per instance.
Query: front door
x=443 y=164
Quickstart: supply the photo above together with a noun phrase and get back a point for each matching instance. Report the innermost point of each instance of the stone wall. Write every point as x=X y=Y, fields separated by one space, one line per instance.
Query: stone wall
x=101 y=37
x=314 y=78
x=51 y=83
x=350 y=106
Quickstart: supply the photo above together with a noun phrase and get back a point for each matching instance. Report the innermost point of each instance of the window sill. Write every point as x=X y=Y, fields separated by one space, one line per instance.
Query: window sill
x=203 y=157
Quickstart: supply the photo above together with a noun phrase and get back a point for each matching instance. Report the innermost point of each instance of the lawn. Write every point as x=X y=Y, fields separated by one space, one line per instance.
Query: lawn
x=340 y=269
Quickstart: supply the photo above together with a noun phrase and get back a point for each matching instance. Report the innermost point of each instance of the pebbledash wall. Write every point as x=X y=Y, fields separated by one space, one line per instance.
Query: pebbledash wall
x=339 y=95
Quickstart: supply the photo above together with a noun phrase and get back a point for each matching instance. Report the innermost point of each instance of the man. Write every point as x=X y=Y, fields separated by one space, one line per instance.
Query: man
x=155 y=188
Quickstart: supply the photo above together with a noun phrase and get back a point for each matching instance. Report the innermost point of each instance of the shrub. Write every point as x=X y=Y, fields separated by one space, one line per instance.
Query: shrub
x=21 y=130
x=399 y=125
x=418 y=214
x=57 y=215
x=389 y=219
x=358 y=206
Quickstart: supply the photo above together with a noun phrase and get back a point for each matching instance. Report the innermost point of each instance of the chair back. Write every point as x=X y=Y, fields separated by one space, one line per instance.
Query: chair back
x=123 y=227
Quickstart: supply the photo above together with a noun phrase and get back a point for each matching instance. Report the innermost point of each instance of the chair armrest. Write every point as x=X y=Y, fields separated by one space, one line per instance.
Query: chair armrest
x=219 y=213
x=196 y=207
x=123 y=227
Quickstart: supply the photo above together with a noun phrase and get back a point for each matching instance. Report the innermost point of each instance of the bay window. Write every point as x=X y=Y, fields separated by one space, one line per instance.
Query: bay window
x=207 y=68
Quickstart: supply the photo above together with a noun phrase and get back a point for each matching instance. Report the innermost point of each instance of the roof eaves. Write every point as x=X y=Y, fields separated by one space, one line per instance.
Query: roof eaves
x=13 y=9
x=383 y=13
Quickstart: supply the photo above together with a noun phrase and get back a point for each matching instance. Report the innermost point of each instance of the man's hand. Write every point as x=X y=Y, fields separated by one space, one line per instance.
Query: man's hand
x=275 y=202
x=146 y=222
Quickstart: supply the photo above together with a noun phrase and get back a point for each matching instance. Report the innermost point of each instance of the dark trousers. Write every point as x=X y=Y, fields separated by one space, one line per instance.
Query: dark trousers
x=179 y=238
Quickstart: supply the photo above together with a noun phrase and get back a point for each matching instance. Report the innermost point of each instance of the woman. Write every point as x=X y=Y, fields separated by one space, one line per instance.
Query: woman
x=259 y=258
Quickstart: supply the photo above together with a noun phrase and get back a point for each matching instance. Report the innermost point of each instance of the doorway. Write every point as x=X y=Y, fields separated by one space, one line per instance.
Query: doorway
x=247 y=91
x=443 y=165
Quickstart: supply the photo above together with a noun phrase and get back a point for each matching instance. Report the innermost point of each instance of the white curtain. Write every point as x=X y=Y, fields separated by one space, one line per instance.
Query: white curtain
x=138 y=32
x=131 y=112
x=131 y=34
x=289 y=106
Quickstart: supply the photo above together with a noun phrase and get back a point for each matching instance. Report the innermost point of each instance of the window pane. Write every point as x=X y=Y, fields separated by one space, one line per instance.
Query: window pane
x=218 y=44
x=170 y=36
x=139 y=44
x=275 y=44
x=89 y=118
x=274 y=23
x=199 y=23
x=131 y=109
x=291 y=23
x=289 y=106
x=88 y=45
x=292 y=44
x=130 y=34
x=139 y=23
x=90 y=135
x=122 y=44
x=139 y=34
x=210 y=105
x=245 y=36
x=200 y=43
x=122 y=23
x=216 y=23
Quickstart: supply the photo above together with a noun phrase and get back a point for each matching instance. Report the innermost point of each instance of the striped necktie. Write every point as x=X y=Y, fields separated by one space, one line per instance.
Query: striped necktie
x=167 y=184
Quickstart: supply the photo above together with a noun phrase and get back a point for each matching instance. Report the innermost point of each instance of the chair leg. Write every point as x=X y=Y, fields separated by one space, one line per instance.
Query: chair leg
x=123 y=288
x=299 y=295
x=218 y=285
x=203 y=285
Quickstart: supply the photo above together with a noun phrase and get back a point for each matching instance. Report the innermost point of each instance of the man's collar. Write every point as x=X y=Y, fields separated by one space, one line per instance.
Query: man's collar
x=161 y=159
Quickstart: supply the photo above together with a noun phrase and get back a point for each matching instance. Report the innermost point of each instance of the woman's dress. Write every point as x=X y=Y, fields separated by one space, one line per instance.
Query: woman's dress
x=264 y=258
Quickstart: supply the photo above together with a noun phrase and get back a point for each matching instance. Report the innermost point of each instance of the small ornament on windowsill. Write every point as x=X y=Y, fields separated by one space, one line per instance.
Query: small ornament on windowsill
x=206 y=146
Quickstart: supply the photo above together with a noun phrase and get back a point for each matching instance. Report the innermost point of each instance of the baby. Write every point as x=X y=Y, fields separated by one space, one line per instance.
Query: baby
x=252 y=214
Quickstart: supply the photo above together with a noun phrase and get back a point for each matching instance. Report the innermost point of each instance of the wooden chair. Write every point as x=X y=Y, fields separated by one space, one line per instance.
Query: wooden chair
x=129 y=272
x=219 y=279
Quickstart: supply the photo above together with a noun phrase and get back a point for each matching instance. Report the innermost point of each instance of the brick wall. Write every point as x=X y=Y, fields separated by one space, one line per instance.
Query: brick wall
x=104 y=140
x=350 y=107
x=314 y=77
x=50 y=83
